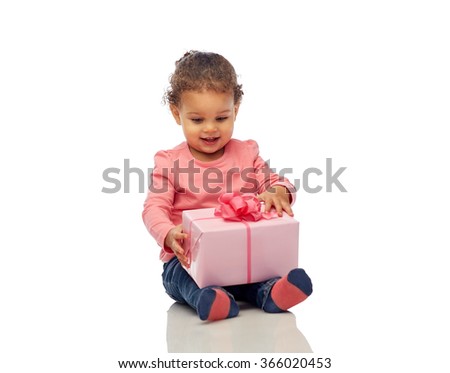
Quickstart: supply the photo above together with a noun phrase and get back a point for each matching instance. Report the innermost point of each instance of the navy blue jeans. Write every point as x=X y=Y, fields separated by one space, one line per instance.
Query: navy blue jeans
x=181 y=287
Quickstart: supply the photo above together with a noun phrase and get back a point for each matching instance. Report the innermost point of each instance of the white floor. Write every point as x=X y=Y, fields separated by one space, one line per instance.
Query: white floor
x=252 y=331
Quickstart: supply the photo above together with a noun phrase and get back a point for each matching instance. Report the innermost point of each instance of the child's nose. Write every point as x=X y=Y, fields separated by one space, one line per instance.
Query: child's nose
x=210 y=126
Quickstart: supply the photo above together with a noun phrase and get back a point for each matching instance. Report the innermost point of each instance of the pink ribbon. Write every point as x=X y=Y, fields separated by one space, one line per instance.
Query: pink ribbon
x=241 y=207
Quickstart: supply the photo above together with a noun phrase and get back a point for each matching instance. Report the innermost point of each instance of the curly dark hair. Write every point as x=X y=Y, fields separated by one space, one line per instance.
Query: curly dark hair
x=196 y=71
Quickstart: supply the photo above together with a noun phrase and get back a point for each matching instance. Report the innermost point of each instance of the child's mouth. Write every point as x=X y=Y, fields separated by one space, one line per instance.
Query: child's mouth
x=210 y=140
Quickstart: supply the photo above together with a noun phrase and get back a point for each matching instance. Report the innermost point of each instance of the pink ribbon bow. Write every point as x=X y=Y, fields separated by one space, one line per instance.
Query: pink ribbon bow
x=241 y=206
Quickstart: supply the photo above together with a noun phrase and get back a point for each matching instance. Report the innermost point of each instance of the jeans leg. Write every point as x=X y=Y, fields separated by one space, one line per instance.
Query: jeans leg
x=264 y=291
x=179 y=284
x=255 y=293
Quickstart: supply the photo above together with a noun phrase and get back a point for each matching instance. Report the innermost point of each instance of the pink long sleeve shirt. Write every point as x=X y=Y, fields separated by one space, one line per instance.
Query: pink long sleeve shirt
x=181 y=182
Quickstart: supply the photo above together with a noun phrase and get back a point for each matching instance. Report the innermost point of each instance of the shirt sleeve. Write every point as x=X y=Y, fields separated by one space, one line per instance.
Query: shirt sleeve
x=159 y=201
x=264 y=175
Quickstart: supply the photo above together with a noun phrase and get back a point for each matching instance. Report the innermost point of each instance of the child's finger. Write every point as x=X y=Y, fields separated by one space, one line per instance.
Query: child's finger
x=187 y=264
x=278 y=207
x=176 y=247
x=288 y=209
x=183 y=260
x=267 y=205
x=180 y=236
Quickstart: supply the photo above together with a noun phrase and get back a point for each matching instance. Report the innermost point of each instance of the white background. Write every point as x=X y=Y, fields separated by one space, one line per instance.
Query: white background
x=364 y=83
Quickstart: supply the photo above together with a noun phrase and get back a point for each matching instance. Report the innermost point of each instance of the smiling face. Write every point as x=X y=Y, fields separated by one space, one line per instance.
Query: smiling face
x=207 y=119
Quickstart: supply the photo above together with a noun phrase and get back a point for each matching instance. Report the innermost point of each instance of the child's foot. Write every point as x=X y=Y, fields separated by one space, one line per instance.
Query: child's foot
x=288 y=291
x=216 y=304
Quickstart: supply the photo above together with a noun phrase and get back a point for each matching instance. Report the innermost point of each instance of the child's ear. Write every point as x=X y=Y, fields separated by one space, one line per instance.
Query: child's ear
x=236 y=109
x=176 y=113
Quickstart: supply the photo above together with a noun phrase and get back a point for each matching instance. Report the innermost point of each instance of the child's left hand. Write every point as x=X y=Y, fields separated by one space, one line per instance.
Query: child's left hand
x=278 y=197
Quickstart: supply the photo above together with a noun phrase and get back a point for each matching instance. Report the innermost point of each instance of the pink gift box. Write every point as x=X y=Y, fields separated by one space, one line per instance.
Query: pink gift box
x=226 y=253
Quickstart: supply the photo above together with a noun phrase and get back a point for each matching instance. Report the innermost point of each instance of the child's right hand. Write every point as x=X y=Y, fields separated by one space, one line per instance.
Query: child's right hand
x=173 y=240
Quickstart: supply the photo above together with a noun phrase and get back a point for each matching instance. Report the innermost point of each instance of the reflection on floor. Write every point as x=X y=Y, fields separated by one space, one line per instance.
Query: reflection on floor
x=252 y=331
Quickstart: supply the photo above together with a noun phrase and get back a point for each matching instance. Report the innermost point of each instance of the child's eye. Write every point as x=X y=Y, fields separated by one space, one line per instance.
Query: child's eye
x=221 y=119
x=197 y=120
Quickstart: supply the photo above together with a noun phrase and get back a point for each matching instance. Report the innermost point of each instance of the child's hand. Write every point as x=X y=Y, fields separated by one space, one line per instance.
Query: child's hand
x=278 y=197
x=173 y=240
